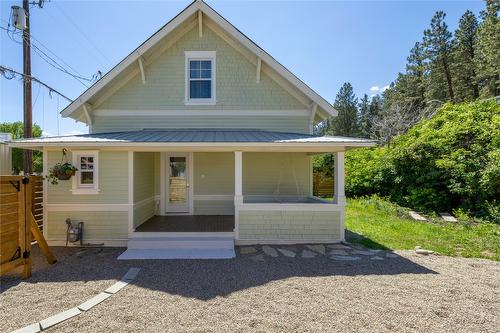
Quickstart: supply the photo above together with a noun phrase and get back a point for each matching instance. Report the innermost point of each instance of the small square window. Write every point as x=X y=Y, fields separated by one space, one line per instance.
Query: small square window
x=86 y=178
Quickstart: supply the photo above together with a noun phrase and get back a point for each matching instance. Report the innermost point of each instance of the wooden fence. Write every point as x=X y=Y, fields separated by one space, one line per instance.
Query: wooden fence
x=21 y=219
x=15 y=224
x=322 y=185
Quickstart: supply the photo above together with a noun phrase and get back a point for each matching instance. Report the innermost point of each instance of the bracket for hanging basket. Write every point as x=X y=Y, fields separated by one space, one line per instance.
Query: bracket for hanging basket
x=62 y=170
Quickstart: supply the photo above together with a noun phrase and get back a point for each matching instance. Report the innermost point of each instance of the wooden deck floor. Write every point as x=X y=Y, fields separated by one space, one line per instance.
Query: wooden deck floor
x=188 y=223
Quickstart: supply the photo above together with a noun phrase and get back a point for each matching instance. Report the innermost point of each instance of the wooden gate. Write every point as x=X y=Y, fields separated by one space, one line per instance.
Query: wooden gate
x=322 y=185
x=15 y=224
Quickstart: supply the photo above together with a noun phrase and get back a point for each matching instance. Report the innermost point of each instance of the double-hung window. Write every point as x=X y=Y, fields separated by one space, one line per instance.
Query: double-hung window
x=200 y=77
x=86 y=178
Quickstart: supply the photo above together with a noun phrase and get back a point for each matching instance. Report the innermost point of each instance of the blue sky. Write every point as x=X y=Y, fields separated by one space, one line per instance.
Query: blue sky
x=325 y=43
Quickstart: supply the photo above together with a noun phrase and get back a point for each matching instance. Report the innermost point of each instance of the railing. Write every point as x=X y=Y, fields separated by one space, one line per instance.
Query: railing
x=37 y=200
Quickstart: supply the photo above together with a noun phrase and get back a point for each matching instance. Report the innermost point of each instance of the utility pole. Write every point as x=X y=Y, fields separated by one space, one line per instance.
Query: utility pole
x=28 y=130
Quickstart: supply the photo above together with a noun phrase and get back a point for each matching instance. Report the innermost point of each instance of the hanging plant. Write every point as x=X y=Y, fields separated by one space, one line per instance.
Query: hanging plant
x=61 y=171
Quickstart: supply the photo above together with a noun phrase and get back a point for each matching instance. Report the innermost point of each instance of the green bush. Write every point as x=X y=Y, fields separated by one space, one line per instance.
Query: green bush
x=448 y=162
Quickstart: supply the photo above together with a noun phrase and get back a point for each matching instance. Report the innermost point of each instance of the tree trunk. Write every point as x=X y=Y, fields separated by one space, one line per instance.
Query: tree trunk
x=448 y=79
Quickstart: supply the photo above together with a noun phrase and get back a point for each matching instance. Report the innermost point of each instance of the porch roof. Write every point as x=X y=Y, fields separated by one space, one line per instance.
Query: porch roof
x=193 y=137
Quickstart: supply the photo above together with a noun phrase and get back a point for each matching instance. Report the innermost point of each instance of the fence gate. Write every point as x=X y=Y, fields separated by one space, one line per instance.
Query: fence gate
x=15 y=224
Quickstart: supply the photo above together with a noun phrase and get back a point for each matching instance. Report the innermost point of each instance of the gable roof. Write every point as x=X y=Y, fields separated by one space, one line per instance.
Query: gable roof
x=189 y=11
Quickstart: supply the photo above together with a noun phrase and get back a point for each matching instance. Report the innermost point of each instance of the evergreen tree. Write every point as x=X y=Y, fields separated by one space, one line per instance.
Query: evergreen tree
x=415 y=69
x=346 y=103
x=438 y=48
x=466 y=86
x=364 y=116
x=487 y=58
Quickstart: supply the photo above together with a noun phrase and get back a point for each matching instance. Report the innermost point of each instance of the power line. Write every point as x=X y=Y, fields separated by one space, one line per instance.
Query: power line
x=13 y=73
x=82 y=33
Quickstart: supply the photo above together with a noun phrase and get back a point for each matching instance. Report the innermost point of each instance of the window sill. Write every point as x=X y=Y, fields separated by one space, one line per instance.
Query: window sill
x=85 y=191
x=200 y=102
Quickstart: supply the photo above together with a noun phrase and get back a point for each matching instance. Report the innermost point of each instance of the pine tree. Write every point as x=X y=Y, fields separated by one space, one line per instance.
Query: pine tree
x=438 y=48
x=346 y=103
x=364 y=116
x=487 y=58
x=415 y=69
x=466 y=86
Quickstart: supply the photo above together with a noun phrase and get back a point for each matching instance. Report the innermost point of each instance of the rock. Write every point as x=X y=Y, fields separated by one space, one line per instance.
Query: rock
x=363 y=253
x=339 y=252
x=339 y=246
x=270 y=251
x=416 y=216
x=81 y=253
x=345 y=258
x=287 y=253
x=391 y=255
x=448 y=217
x=320 y=248
x=423 y=251
x=308 y=254
x=247 y=250
x=259 y=257
x=376 y=258
x=375 y=250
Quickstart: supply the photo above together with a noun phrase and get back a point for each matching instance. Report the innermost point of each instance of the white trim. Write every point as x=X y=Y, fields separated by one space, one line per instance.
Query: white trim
x=136 y=112
x=339 y=182
x=87 y=208
x=314 y=108
x=200 y=23
x=143 y=73
x=189 y=204
x=76 y=187
x=87 y=114
x=171 y=26
x=200 y=55
x=242 y=242
x=130 y=192
x=191 y=183
x=259 y=65
x=154 y=234
x=320 y=207
x=163 y=183
x=45 y=182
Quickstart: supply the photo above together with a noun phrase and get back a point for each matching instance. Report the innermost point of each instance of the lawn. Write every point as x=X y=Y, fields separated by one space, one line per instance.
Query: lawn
x=376 y=223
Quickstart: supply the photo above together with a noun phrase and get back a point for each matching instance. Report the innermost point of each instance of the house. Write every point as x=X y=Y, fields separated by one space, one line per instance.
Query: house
x=198 y=140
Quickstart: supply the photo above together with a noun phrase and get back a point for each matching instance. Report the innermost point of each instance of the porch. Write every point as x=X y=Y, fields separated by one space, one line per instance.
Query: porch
x=188 y=223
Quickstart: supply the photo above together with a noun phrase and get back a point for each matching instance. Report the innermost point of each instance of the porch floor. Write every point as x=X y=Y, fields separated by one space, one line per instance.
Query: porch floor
x=188 y=223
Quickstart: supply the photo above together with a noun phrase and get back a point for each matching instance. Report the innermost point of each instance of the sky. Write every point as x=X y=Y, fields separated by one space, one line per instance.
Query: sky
x=324 y=43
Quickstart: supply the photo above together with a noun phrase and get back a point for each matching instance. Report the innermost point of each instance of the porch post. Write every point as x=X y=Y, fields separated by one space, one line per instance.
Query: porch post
x=238 y=189
x=130 y=192
x=339 y=191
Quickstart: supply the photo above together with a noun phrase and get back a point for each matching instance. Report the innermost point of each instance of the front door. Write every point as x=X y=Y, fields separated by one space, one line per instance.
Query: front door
x=178 y=183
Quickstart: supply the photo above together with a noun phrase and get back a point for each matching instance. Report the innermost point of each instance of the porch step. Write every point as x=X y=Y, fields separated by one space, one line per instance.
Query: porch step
x=180 y=247
x=131 y=254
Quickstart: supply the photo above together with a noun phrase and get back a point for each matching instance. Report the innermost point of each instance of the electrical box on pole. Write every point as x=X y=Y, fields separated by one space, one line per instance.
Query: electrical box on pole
x=18 y=17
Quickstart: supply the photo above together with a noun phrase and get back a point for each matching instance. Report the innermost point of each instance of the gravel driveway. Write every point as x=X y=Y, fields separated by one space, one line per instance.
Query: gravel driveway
x=256 y=292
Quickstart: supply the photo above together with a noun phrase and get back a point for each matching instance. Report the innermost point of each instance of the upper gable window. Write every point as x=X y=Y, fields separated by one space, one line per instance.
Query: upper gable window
x=200 y=77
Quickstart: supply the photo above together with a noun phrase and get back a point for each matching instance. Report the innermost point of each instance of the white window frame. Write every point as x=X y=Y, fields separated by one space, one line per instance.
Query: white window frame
x=78 y=188
x=200 y=55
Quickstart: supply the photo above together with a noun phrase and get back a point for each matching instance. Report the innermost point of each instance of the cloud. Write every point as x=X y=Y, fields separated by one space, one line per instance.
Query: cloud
x=73 y=132
x=44 y=134
x=384 y=88
x=375 y=89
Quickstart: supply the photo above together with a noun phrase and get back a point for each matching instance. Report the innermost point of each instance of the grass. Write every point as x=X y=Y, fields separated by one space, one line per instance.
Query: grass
x=377 y=223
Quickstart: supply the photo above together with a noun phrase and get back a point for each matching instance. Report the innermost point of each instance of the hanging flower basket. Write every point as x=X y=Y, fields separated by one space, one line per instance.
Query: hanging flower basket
x=61 y=171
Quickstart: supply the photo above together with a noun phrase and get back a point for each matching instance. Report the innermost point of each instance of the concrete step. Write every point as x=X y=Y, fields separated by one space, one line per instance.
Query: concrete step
x=142 y=254
x=162 y=243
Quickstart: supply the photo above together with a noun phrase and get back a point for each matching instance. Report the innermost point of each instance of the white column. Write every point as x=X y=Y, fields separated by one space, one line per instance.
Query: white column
x=339 y=191
x=131 y=192
x=238 y=177
x=238 y=191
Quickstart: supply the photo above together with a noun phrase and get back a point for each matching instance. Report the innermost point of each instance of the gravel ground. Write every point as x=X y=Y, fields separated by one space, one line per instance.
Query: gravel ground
x=254 y=292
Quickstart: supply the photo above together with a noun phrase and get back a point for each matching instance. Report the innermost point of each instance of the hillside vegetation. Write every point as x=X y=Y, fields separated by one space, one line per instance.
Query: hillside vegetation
x=450 y=162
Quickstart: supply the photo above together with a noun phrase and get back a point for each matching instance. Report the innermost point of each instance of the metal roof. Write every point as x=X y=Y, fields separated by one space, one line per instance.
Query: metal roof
x=195 y=136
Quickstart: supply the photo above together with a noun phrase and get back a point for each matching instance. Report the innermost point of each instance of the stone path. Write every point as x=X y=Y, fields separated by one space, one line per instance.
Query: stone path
x=339 y=252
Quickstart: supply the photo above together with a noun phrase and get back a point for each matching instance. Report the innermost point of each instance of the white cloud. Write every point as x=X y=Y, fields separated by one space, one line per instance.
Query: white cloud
x=375 y=89
x=44 y=134
x=385 y=88
x=73 y=132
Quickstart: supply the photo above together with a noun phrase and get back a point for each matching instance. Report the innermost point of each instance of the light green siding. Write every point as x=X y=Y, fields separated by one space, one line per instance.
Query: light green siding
x=144 y=187
x=294 y=124
x=235 y=79
x=144 y=178
x=213 y=173
x=105 y=225
x=213 y=207
x=290 y=225
x=113 y=181
x=276 y=174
